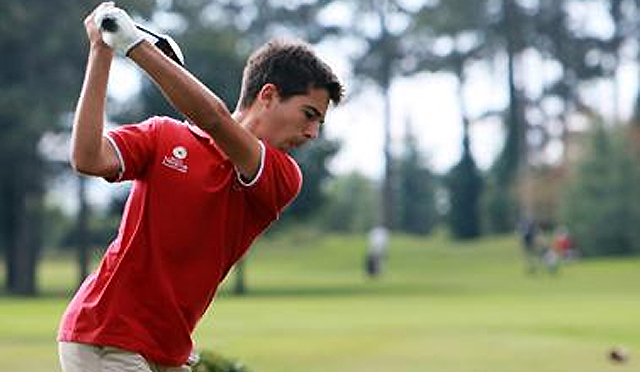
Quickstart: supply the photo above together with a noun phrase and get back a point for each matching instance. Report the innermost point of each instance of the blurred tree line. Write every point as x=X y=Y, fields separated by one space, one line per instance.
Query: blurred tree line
x=591 y=183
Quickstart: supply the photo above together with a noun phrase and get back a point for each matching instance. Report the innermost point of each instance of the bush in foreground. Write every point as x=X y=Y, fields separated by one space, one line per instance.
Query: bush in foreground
x=213 y=362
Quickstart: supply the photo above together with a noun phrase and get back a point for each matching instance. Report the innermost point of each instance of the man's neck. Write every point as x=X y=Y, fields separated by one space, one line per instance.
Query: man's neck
x=248 y=120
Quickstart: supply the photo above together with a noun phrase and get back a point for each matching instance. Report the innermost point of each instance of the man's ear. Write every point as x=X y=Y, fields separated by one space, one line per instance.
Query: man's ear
x=268 y=94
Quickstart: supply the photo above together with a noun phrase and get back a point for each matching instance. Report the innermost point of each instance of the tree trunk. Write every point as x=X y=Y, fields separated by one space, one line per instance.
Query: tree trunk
x=24 y=244
x=387 y=182
x=388 y=204
x=517 y=124
x=23 y=195
x=83 y=222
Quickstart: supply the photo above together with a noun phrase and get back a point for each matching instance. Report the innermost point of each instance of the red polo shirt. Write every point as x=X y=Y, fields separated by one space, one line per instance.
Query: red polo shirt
x=188 y=219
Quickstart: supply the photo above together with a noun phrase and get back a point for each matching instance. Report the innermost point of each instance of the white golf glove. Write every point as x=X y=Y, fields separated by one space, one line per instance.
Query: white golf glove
x=118 y=29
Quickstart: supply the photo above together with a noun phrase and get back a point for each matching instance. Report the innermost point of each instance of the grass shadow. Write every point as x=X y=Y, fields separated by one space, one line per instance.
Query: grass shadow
x=369 y=289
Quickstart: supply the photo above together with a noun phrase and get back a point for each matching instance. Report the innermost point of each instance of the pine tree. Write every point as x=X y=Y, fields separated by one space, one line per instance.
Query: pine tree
x=465 y=187
x=601 y=206
x=417 y=213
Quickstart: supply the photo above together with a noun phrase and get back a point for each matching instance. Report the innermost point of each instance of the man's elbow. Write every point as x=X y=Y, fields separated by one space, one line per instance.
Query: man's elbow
x=82 y=164
x=97 y=165
x=78 y=165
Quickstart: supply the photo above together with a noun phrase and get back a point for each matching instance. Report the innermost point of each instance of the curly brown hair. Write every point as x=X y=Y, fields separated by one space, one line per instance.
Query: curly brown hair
x=292 y=67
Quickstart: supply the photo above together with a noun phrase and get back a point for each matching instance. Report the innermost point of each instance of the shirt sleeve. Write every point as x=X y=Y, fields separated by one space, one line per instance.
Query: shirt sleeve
x=134 y=145
x=277 y=183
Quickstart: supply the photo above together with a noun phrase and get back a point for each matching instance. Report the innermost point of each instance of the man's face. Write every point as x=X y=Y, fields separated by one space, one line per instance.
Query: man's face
x=296 y=120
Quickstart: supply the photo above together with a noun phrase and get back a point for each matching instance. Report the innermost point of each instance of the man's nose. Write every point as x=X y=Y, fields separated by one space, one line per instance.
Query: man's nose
x=313 y=130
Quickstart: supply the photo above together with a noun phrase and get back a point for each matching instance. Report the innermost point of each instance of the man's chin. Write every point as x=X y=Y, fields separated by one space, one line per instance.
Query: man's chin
x=284 y=147
x=290 y=146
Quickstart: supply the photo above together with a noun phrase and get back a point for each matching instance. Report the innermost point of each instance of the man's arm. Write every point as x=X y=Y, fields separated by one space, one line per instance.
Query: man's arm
x=91 y=153
x=201 y=106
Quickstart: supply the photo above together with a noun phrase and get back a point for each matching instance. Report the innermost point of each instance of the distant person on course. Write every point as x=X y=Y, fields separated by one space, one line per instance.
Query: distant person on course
x=376 y=250
x=202 y=191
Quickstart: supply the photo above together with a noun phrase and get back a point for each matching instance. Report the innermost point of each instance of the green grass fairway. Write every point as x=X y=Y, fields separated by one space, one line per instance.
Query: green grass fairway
x=440 y=306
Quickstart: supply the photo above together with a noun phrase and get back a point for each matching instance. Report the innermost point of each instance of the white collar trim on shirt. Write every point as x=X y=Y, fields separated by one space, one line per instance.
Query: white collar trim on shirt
x=200 y=133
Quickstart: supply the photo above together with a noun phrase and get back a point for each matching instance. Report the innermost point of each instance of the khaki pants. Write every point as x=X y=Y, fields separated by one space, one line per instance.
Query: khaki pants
x=76 y=357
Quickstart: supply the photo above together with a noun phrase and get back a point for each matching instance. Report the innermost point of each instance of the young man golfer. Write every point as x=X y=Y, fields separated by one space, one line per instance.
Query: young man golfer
x=202 y=191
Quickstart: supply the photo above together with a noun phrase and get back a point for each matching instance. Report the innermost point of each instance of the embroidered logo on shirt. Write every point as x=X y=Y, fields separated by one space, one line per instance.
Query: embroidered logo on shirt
x=177 y=159
x=179 y=152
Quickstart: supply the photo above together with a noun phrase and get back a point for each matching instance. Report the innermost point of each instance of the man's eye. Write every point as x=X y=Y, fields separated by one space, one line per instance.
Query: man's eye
x=309 y=115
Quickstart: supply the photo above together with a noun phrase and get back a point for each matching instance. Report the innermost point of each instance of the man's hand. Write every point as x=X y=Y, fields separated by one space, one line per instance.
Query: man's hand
x=118 y=29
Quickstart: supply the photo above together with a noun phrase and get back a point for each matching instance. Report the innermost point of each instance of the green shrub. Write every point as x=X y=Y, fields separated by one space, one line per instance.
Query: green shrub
x=601 y=205
x=214 y=362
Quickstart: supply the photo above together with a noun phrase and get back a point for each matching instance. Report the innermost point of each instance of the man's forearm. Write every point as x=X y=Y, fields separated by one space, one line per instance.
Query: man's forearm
x=89 y=116
x=186 y=93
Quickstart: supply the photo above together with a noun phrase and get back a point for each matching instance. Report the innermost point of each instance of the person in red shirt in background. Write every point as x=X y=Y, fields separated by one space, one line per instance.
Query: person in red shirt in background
x=202 y=191
x=562 y=243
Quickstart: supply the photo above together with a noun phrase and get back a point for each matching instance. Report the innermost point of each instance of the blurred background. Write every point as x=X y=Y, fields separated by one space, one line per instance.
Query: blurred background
x=511 y=126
